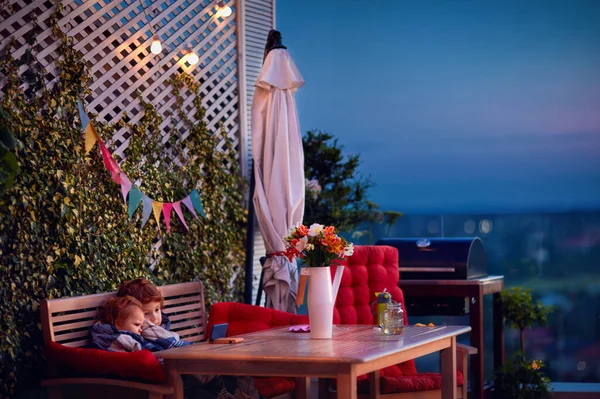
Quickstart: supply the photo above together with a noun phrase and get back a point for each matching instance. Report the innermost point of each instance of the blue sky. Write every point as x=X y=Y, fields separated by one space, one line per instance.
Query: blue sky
x=456 y=106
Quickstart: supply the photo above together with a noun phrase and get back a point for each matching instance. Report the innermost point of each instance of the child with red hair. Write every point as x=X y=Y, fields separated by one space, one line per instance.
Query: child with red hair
x=155 y=325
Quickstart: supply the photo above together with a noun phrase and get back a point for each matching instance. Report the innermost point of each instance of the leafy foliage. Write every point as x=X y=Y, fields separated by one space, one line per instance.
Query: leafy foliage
x=342 y=200
x=521 y=379
x=64 y=229
x=521 y=312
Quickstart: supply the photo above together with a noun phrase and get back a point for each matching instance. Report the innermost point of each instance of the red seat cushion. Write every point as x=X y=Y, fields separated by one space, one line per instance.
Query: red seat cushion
x=242 y=319
x=274 y=386
x=140 y=365
x=409 y=383
x=371 y=269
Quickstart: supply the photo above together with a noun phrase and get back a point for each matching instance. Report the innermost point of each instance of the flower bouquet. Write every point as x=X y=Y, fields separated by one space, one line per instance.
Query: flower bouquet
x=318 y=246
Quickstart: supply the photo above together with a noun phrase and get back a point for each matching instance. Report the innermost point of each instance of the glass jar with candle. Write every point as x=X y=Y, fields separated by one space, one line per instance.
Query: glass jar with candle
x=392 y=319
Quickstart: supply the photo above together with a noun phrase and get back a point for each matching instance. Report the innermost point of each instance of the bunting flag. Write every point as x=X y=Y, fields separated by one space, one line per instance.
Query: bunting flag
x=132 y=196
x=187 y=201
x=167 y=215
x=195 y=197
x=177 y=207
x=147 y=211
x=157 y=209
x=135 y=196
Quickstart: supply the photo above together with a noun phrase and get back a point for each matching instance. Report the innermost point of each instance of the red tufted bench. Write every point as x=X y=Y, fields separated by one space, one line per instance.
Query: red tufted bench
x=372 y=269
x=243 y=319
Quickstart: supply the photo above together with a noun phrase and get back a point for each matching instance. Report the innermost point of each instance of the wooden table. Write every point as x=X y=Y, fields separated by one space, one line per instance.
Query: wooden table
x=474 y=289
x=352 y=351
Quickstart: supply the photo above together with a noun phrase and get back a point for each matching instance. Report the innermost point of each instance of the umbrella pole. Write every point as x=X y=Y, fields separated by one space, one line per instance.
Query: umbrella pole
x=250 y=241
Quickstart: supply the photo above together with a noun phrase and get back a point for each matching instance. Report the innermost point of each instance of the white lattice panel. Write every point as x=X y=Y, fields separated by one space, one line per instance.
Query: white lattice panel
x=115 y=37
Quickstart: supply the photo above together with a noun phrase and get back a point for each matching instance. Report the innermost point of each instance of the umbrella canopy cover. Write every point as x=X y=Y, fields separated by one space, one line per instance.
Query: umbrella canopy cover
x=278 y=170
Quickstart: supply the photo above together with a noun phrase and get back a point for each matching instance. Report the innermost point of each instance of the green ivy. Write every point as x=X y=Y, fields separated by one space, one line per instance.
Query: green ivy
x=64 y=229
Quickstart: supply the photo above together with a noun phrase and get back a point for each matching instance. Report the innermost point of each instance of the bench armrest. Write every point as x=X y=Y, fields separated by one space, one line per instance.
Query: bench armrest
x=465 y=349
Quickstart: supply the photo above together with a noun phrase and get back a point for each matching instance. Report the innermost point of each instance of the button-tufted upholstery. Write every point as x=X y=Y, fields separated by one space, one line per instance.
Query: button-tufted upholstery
x=372 y=269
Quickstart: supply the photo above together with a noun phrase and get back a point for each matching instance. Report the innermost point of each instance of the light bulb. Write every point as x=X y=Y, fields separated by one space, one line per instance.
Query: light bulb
x=223 y=10
x=193 y=58
x=156 y=46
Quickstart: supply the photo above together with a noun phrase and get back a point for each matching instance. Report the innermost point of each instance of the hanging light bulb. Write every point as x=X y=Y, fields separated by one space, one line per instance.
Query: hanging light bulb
x=192 y=58
x=223 y=10
x=156 y=46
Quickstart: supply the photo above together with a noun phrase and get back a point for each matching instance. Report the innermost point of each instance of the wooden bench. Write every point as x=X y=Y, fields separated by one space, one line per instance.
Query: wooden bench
x=67 y=321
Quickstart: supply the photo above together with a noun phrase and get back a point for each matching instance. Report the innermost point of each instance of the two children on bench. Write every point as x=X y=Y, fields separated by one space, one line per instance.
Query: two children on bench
x=133 y=321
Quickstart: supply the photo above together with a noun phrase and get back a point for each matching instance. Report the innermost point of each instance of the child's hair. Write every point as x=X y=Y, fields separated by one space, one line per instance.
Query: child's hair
x=141 y=289
x=117 y=309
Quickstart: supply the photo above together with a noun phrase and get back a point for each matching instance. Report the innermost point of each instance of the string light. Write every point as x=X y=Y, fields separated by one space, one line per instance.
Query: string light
x=192 y=58
x=156 y=46
x=223 y=10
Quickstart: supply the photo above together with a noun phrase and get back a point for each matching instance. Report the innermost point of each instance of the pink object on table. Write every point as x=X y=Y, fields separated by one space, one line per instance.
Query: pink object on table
x=300 y=328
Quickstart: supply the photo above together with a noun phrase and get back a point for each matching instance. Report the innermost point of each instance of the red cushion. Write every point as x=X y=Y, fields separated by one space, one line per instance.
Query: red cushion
x=242 y=319
x=142 y=365
x=371 y=269
x=274 y=386
x=410 y=383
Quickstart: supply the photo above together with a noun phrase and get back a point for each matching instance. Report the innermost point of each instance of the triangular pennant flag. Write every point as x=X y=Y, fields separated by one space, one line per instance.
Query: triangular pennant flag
x=147 y=203
x=167 y=206
x=187 y=201
x=108 y=161
x=157 y=208
x=197 y=203
x=82 y=116
x=117 y=177
x=135 y=196
x=125 y=186
x=177 y=207
x=90 y=137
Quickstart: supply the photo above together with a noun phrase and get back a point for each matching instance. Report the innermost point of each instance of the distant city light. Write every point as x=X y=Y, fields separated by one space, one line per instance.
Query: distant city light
x=485 y=226
x=469 y=226
x=433 y=227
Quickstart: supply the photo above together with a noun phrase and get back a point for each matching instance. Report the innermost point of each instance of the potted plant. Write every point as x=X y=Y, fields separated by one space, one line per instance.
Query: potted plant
x=520 y=377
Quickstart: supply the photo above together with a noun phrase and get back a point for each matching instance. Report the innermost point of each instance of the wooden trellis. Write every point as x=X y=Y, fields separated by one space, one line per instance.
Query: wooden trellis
x=115 y=37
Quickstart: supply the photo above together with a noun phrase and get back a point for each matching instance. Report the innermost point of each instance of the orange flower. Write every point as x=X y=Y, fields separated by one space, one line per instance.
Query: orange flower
x=302 y=230
x=535 y=364
x=329 y=230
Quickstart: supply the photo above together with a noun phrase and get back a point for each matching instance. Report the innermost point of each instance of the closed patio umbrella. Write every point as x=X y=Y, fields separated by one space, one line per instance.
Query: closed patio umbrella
x=278 y=168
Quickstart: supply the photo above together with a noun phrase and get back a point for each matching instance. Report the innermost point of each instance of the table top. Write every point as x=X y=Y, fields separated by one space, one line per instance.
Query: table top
x=349 y=344
x=476 y=281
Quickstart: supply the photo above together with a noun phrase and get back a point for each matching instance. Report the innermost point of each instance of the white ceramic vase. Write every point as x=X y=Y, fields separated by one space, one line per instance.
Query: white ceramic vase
x=321 y=299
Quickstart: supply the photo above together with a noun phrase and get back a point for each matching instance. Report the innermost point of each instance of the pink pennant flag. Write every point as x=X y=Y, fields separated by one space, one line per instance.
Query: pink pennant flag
x=125 y=186
x=187 y=201
x=109 y=162
x=177 y=207
x=167 y=206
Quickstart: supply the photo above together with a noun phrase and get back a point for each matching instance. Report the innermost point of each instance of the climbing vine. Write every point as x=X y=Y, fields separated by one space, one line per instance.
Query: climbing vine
x=64 y=228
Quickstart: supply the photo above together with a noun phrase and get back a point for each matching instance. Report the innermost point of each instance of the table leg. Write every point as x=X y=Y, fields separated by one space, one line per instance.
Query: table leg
x=448 y=370
x=476 y=322
x=302 y=387
x=374 y=386
x=498 y=333
x=346 y=386
x=174 y=380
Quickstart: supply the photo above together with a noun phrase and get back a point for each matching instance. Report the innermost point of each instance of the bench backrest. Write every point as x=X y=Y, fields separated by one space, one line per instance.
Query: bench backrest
x=68 y=320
